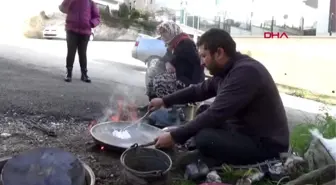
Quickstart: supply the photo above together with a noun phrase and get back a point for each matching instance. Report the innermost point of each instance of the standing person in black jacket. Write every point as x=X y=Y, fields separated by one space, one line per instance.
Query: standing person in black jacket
x=182 y=62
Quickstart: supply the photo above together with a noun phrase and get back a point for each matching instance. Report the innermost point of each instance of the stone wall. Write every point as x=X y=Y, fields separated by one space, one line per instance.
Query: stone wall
x=303 y=62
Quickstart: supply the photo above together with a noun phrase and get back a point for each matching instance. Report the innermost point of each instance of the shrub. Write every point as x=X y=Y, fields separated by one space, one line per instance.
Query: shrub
x=135 y=14
x=34 y=27
x=126 y=23
x=301 y=136
x=148 y=25
x=124 y=11
x=145 y=15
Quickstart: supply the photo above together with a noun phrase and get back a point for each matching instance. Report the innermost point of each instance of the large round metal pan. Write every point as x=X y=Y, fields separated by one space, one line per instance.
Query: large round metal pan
x=141 y=133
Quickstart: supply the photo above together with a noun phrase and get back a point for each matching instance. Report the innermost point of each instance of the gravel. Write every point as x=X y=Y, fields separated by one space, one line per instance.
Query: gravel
x=17 y=135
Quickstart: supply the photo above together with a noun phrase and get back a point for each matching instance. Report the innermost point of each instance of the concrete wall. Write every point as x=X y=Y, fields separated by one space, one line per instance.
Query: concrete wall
x=289 y=31
x=303 y=62
x=257 y=31
x=237 y=31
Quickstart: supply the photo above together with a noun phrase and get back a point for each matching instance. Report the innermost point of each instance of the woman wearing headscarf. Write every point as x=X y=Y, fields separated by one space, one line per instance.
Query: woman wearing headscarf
x=82 y=16
x=182 y=63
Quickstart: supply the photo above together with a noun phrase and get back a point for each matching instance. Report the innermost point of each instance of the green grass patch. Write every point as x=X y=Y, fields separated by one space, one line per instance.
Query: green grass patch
x=183 y=182
x=302 y=93
x=301 y=137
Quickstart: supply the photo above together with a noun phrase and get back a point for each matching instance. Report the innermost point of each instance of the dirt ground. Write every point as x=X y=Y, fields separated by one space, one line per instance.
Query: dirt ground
x=17 y=135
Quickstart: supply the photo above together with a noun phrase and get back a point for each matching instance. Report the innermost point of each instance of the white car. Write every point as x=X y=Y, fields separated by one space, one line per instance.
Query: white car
x=57 y=31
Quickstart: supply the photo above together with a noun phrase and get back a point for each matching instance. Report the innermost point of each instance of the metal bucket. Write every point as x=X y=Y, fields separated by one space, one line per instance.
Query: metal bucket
x=146 y=166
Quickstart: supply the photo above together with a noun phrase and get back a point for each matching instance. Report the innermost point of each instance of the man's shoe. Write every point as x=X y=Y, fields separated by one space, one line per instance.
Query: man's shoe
x=187 y=157
x=85 y=77
x=68 y=77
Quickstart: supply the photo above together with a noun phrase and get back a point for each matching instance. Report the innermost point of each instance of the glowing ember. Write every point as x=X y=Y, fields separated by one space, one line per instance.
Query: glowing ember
x=102 y=148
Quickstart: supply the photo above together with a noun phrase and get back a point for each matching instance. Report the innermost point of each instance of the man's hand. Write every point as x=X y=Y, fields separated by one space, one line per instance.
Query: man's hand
x=155 y=104
x=165 y=140
x=170 y=68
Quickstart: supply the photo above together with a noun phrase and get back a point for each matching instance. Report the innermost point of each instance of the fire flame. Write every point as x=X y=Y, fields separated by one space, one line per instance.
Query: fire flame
x=125 y=112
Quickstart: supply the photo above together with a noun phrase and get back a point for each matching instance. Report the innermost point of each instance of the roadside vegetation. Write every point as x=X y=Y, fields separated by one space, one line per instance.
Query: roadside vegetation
x=124 y=24
x=300 y=141
x=300 y=137
x=306 y=94
x=128 y=17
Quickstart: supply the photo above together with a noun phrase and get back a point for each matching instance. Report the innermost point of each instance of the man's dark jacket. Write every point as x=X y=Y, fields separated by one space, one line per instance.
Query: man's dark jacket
x=244 y=90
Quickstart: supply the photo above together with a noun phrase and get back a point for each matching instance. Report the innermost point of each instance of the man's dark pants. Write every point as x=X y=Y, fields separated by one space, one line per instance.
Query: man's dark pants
x=77 y=42
x=230 y=147
x=226 y=144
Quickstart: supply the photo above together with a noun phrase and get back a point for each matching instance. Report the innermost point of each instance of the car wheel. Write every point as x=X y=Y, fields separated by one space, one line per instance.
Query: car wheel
x=154 y=67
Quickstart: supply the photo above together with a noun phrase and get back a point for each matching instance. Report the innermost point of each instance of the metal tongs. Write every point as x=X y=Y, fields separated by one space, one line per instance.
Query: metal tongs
x=137 y=121
x=152 y=143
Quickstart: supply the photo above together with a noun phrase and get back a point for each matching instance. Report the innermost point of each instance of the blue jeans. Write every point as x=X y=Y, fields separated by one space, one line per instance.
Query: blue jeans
x=165 y=117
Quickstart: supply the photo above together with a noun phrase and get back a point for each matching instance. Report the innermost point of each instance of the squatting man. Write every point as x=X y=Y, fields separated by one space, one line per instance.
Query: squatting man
x=246 y=123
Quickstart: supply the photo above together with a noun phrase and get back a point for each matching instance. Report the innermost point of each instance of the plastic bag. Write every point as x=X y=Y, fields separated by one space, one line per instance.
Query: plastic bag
x=317 y=154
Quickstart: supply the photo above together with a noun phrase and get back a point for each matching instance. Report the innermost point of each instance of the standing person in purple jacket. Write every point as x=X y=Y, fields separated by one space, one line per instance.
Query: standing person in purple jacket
x=82 y=16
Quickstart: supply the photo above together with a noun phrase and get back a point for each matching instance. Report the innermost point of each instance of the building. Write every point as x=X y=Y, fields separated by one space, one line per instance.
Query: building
x=109 y=5
x=291 y=16
x=142 y=5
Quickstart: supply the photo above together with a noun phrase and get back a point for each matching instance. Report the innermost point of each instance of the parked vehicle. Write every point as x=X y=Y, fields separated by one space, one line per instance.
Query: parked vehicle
x=57 y=31
x=149 y=48
x=109 y=7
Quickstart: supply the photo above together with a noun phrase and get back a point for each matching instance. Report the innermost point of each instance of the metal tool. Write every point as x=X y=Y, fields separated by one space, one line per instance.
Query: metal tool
x=148 y=144
x=42 y=129
x=137 y=121
x=45 y=130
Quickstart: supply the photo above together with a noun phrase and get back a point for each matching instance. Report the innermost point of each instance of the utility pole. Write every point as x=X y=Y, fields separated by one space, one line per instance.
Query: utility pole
x=272 y=23
x=183 y=6
x=218 y=14
x=251 y=17
x=331 y=23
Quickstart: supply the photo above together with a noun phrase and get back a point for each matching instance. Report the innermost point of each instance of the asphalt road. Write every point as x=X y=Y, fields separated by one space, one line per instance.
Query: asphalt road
x=31 y=81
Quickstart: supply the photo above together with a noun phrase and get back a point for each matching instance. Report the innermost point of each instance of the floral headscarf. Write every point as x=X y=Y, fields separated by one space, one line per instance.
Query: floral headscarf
x=172 y=30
